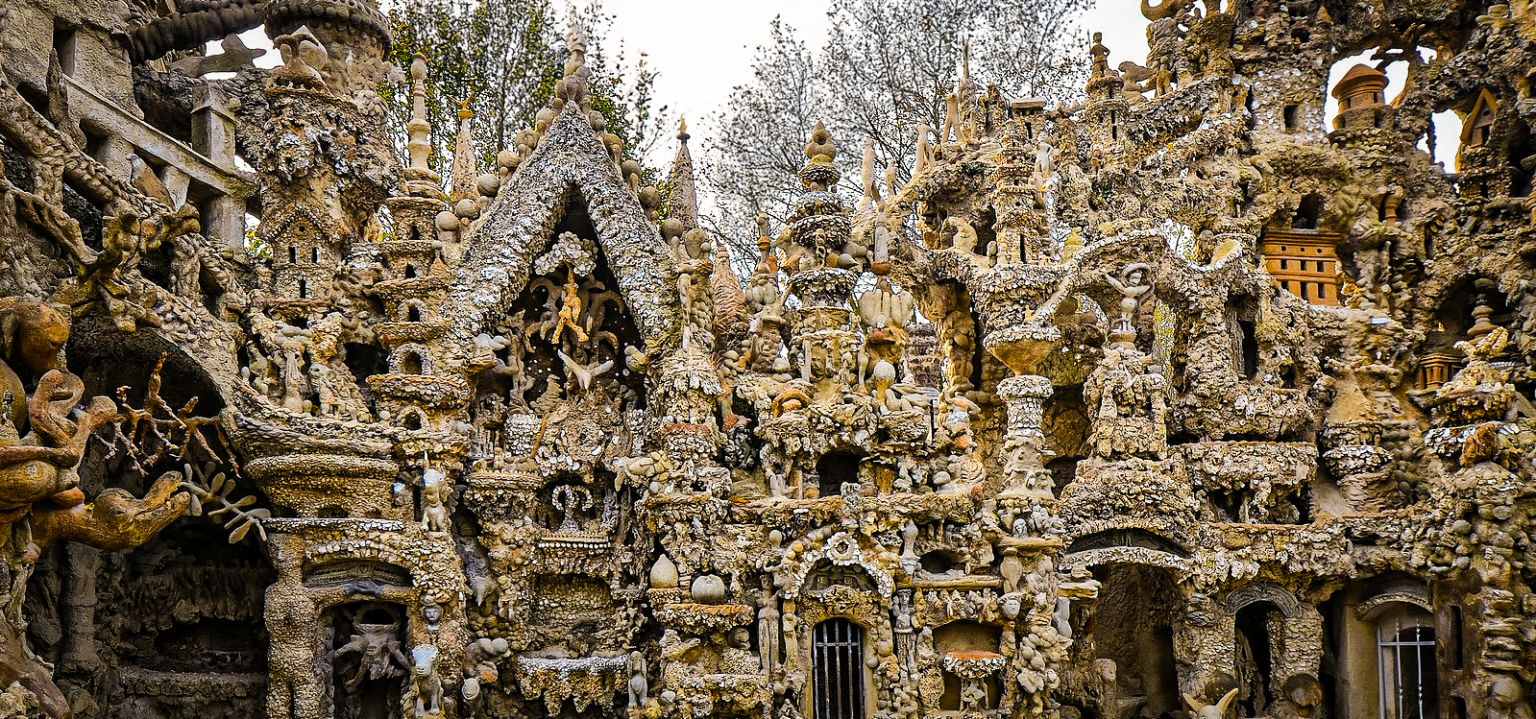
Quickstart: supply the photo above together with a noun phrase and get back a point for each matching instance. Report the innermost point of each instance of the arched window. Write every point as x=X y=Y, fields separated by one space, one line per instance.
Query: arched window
x=410 y=363
x=838 y=666
x=1405 y=642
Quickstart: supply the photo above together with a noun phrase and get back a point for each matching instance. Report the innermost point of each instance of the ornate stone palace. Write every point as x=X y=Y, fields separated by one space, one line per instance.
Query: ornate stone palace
x=1189 y=400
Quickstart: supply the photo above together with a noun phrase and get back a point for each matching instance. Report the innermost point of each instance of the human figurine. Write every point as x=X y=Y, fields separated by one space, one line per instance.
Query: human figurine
x=570 y=310
x=924 y=150
x=1100 y=55
x=1062 y=617
x=965 y=235
x=1045 y=167
x=1131 y=288
x=435 y=492
x=768 y=626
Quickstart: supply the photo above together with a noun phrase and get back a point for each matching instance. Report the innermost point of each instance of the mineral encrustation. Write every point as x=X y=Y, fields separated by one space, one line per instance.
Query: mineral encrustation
x=1186 y=400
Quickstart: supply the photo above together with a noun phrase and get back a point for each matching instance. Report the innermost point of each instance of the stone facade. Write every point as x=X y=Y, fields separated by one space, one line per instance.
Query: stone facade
x=1182 y=401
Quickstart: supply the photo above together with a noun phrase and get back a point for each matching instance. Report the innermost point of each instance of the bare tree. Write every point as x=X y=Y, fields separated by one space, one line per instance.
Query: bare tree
x=752 y=162
x=886 y=67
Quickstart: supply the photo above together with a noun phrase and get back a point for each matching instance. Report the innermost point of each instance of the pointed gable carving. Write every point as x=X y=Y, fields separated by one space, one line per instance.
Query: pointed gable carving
x=520 y=225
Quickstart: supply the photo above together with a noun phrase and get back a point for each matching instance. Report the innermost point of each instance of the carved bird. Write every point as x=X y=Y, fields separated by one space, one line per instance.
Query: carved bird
x=583 y=373
x=235 y=56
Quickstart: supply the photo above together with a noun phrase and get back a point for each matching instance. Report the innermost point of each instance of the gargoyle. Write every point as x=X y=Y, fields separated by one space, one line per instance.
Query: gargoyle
x=116 y=520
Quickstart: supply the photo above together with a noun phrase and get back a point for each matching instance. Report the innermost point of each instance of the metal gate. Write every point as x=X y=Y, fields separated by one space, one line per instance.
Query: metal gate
x=838 y=670
x=1408 y=680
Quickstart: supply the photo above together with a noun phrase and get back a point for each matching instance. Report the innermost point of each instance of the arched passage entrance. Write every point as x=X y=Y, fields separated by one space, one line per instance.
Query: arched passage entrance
x=837 y=662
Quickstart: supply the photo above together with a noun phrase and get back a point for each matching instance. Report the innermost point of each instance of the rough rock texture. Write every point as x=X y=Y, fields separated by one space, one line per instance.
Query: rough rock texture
x=1175 y=402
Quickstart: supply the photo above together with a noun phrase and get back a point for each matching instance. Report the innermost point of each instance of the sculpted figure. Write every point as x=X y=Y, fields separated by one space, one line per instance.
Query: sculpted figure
x=639 y=687
x=434 y=496
x=116 y=520
x=293 y=688
x=768 y=626
x=429 y=687
x=380 y=650
x=1211 y=711
x=570 y=310
x=31 y=335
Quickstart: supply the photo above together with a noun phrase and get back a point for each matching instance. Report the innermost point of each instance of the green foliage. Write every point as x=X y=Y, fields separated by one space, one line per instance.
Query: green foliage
x=254 y=245
x=504 y=57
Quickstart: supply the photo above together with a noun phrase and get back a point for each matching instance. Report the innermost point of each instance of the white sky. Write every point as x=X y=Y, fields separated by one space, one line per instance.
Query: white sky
x=703 y=48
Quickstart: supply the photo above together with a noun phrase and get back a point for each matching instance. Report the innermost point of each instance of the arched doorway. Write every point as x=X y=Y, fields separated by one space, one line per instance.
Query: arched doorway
x=1137 y=609
x=1254 y=657
x=837 y=655
x=1405 y=646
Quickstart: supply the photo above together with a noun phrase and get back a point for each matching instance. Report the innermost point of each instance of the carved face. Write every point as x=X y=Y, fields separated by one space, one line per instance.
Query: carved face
x=1011 y=606
x=32 y=333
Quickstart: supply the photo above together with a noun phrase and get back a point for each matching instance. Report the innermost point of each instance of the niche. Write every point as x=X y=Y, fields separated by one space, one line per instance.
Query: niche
x=835 y=469
x=1292 y=113
x=212 y=645
x=368 y=667
x=1522 y=160
x=1307 y=213
x=1250 y=349
x=410 y=363
x=1254 y=657
x=363 y=360
x=966 y=636
x=941 y=562
x=1454 y=317
x=1134 y=627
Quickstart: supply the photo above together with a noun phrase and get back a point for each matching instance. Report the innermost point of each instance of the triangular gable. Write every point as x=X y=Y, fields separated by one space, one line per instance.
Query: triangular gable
x=520 y=223
x=1485 y=105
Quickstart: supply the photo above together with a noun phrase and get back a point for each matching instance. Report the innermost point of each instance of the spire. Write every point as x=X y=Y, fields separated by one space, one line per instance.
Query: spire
x=418 y=129
x=730 y=300
x=871 y=190
x=965 y=61
x=684 y=199
x=819 y=173
x=463 y=185
x=576 y=44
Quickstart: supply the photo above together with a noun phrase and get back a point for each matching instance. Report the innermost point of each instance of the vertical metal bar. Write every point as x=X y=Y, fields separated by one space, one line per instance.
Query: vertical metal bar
x=833 y=710
x=1418 y=652
x=844 y=700
x=821 y=670
x=1397 y=667
x=816 y=668
x=1381 y=676
x=853 y=667
x=856 y=677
